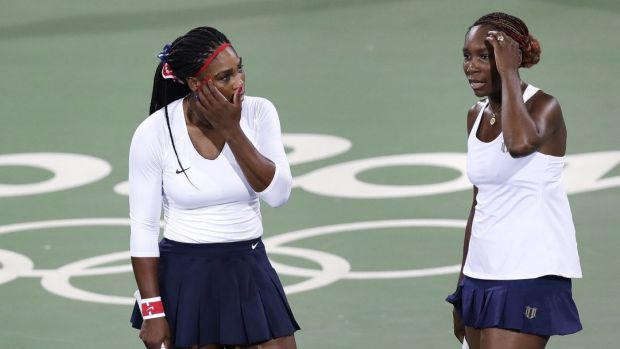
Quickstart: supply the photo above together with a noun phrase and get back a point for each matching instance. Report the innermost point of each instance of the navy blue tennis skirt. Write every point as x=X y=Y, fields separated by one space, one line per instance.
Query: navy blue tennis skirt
x=222 y=293
x=543 y=306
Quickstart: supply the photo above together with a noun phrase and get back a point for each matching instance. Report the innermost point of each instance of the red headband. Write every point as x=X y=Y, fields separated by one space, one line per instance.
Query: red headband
x=209 y=59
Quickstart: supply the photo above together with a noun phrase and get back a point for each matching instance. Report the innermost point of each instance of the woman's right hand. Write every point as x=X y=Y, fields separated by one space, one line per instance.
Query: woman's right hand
x=219 y=112
x=459 y=328
x=154 y=332
x=506 y=50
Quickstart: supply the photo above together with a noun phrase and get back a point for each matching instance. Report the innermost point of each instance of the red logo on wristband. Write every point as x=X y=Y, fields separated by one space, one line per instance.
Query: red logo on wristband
x=152 y=308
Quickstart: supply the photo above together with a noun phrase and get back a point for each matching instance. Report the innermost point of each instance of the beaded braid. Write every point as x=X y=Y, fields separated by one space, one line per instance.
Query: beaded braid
x=185 y=56
x=517 y=30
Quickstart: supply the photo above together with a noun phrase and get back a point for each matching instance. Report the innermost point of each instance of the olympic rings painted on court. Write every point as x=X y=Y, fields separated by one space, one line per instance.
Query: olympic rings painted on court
x=13 y=265
x=307 y=147
x=70 y=171
x=583 y=173
x=332 y=267
x=122 y=188
x=343 y=181
x=274 y=242
x=57 y=281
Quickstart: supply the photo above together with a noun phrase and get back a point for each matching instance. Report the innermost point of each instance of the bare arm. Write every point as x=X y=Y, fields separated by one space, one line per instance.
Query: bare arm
x=458 y=327
x=525 y=130
x=145 y=272
x=155 y=331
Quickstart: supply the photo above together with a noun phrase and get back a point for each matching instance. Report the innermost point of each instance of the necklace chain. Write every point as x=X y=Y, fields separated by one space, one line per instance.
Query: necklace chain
x=494 y=117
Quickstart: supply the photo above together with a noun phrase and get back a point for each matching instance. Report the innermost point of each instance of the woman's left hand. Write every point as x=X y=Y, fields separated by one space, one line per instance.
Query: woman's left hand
x=457 y=324
x=223 y=115
x=506 y=51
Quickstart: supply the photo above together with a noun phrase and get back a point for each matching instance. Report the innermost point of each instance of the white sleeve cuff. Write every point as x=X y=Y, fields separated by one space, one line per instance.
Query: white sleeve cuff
x=279 y=190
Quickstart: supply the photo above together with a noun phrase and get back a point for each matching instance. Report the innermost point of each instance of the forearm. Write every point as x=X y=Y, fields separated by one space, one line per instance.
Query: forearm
x=520 y=132
x=258 y=170
x=145 y=272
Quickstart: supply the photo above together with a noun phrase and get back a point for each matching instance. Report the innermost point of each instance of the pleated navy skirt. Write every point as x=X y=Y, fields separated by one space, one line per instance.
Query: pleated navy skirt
x=543 y=306
x=222 y=293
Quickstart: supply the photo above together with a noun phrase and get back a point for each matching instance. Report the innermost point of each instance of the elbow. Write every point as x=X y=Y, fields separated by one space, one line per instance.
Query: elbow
x=521 y=150
x=279 y=197
x=278 y=201
x=279 y=191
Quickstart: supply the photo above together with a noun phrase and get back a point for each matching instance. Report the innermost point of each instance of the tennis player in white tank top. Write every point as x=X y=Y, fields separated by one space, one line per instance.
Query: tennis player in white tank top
x=520 y=238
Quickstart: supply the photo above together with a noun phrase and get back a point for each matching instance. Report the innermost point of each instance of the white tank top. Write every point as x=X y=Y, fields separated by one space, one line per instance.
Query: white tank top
x=522 y=226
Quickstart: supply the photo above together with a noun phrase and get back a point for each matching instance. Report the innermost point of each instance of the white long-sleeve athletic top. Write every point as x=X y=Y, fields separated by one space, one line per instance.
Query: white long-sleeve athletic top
x=522 y=226
x=218 y=205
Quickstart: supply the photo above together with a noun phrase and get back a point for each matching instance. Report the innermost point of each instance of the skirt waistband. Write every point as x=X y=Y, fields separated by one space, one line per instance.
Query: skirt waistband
x=546 y=278
x=211 y=249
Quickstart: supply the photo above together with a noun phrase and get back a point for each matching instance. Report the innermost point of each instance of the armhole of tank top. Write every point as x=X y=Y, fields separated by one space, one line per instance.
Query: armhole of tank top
x=474 y=128
x=529 y=92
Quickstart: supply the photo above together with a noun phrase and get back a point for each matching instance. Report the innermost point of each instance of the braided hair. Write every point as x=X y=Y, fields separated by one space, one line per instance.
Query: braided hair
x=180 y=60
x=185 y=56
x=517 y=30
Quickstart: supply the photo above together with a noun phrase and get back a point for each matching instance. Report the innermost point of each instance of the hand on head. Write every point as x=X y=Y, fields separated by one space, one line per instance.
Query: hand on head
x=506 y=50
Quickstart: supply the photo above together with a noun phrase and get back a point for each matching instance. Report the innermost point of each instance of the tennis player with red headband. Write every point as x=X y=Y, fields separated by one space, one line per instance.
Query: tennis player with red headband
x=206 y=154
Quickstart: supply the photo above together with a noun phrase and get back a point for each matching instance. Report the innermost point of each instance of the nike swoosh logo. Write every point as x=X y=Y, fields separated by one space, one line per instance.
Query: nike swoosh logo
x=183 y=170
x=254 y=245
x=149 y=309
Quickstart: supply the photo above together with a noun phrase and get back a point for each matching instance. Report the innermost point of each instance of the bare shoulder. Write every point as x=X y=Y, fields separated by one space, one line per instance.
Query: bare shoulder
x=545 y=107
x=545 y=111
x=472 y=113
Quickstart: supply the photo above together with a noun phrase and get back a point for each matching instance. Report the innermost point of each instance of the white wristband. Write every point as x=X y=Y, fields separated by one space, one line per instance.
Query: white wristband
x=152 y=308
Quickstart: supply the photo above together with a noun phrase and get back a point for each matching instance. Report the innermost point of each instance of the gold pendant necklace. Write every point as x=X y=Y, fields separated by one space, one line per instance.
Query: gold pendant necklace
x=493 y=118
